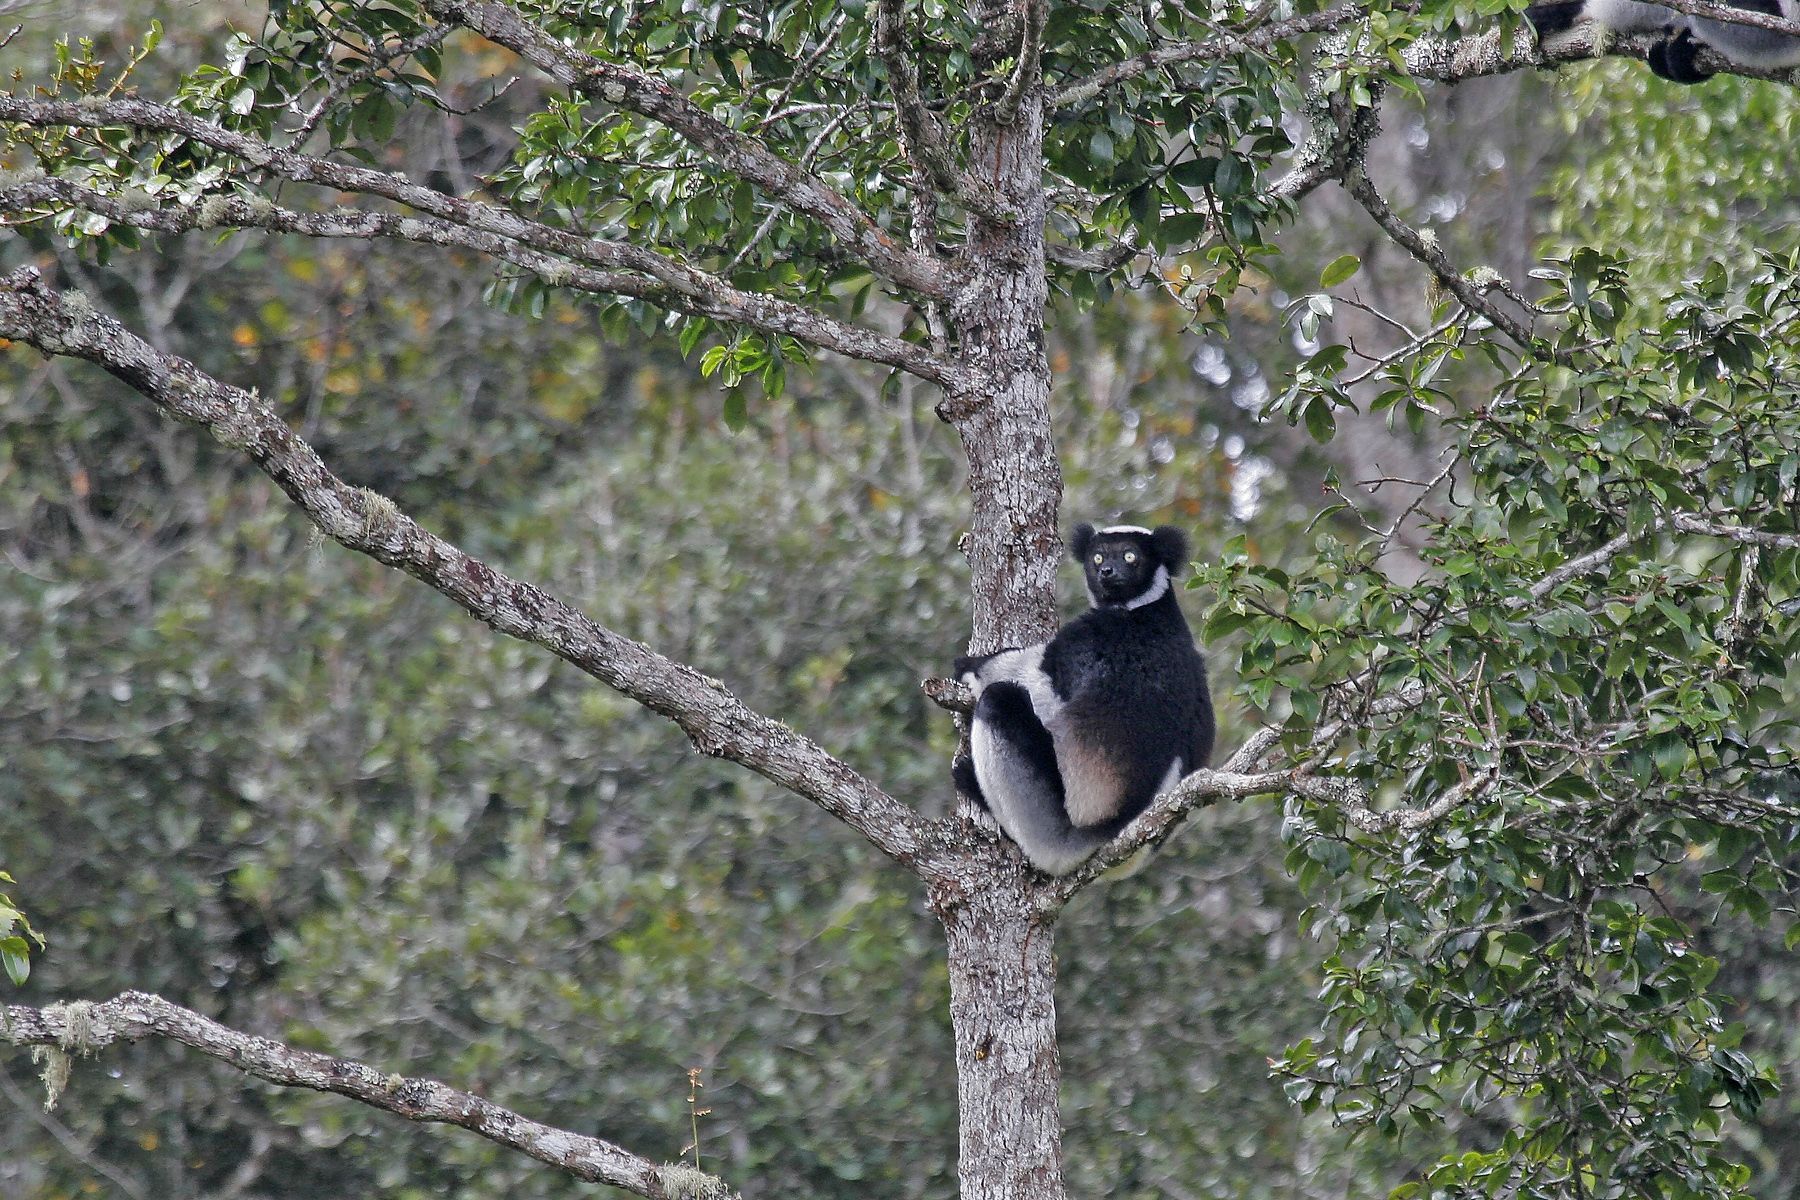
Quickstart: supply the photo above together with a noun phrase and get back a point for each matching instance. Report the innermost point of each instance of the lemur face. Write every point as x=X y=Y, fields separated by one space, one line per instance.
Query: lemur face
x=1119 y=566
x=1128 y=564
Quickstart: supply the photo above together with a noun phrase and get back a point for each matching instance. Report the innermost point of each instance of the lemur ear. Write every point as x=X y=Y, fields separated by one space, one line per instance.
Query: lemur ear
x=1171 y=548
x=1079 y=538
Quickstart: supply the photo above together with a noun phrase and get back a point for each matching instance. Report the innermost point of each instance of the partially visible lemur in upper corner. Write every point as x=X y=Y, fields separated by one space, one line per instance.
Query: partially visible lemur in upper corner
x=1074 y=737
x=1675 y=54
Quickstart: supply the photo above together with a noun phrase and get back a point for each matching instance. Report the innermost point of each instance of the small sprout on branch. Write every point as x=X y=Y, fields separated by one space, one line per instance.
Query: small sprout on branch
x=695 y=1112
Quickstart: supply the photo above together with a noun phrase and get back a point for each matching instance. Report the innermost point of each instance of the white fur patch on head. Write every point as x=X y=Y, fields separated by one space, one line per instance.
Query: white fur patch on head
x=1122 y=529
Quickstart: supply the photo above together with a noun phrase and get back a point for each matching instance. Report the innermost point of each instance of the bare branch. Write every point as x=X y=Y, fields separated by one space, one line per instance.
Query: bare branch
x=1155 y=824
x=1353 y=801
x=717 y=722
x=1730 y=14
x=1469 y=293
x=1689 y=523
x=83 y=1027
x=627 y=270
x=949 y=694
x=804 y=71
x=1099 y=261
x=1581 y=564
x=728 y=148
x=1207 y=50
x=380 y=59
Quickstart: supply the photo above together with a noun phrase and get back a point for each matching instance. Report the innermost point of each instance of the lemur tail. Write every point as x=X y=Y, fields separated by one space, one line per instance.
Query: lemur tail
x=1554 y=16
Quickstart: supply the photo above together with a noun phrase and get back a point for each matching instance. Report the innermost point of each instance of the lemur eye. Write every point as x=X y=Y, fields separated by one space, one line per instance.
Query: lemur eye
x=1130 y=556
x=1096 y=560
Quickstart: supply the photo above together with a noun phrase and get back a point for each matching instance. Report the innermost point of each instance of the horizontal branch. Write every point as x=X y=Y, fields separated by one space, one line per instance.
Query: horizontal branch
x=1205 y=50
x=1598 y=557
x=83 y=1027
x=1155 y=824
x=1689 y=523
x=727 y=148
x=1581 y=564
x=1452 y=60
x=618 y=270
x=1731 y=14
x=1352 y=799
x=717 y=722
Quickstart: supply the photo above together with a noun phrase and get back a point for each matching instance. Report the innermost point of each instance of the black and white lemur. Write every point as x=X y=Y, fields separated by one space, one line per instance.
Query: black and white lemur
x=1074 y=737
x=1675 y=54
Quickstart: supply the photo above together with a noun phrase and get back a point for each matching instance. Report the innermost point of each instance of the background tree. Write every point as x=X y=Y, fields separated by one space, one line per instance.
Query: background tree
x=1506 y=837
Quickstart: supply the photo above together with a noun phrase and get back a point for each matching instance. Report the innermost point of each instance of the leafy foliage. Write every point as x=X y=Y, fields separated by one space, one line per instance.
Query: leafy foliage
x=1614 y=744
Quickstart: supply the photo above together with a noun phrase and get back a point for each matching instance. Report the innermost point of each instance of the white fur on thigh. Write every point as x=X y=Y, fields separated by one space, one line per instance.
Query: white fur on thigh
x=1024 y=667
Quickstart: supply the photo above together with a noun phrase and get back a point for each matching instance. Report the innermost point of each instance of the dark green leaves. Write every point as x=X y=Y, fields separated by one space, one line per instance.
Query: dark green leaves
x=15 y=947
x=1541 y=949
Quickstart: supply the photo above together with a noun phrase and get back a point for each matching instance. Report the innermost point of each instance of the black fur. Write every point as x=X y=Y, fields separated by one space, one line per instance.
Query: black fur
x=1677 y=58
x=1125 y=691
x=1677 y=38
x=1554 y=17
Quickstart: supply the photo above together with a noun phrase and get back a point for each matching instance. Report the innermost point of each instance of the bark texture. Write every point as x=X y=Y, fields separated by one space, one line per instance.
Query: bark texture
x=1003 y=1012
x=1002 y=970
x=1002 y=414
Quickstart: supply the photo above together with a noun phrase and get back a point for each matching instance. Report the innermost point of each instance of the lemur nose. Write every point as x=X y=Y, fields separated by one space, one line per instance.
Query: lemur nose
x=1107 y=571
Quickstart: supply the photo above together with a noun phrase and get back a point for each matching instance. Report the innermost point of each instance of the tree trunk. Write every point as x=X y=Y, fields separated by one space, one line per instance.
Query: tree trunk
x=1002 y=972
x=997 y=319
x=1003 y=1012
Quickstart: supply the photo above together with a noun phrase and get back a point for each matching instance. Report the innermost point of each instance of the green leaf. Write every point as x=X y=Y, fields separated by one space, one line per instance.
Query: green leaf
x=1340 y=269
x=1321 y=423
x=737 y=410
x=15 y=956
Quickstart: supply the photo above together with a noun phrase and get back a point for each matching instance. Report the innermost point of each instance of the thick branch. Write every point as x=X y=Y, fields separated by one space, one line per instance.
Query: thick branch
x=1166 y=813
x=1029 y=67
x=728 y=148
x=922 y=135
x=624 y=270
x=715 y=721
x=83 y=1027
x=1452 y=60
